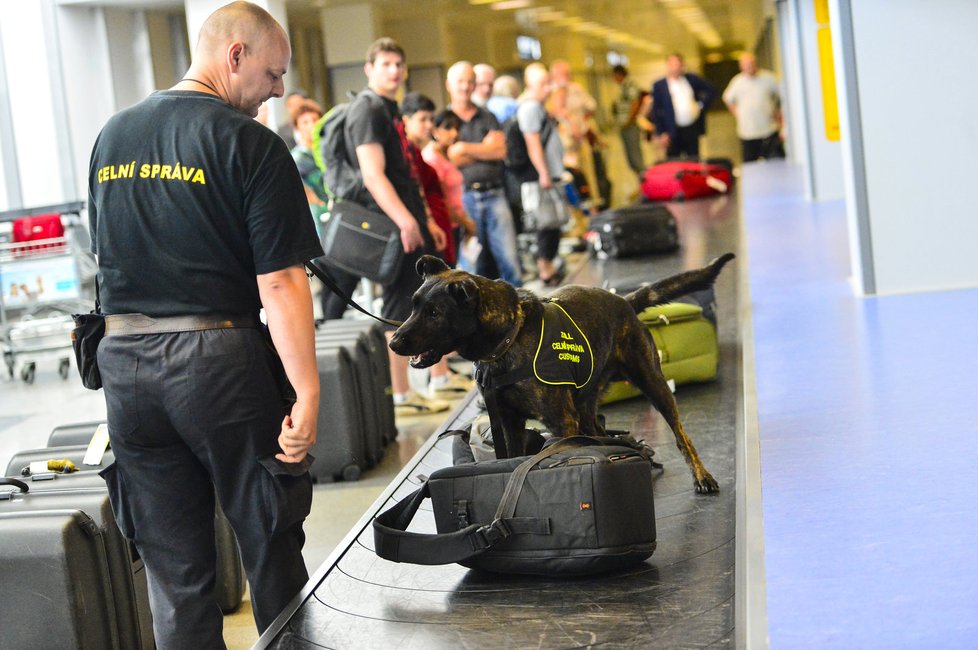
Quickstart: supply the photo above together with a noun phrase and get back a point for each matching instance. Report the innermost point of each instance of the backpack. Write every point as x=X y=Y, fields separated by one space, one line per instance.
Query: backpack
x=341 y=178
x=517 y=157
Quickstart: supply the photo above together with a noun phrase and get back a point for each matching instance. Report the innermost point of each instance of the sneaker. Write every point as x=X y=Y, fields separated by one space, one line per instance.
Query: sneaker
x=456 y=386
x=416 y=404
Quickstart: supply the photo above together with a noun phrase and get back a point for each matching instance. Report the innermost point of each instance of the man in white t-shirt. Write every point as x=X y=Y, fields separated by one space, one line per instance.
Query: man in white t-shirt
x=679 y=103
x=754 y=99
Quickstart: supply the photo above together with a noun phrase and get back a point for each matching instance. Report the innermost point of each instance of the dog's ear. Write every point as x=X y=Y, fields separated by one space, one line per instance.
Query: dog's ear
x=465 y=292
x=430 y=265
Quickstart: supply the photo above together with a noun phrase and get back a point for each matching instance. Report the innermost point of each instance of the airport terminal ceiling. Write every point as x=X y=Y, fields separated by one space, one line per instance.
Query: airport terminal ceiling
x=660 y=25
x=653 y=27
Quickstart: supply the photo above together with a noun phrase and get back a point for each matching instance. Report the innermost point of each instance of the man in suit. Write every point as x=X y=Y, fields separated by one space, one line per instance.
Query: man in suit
x=679 y=103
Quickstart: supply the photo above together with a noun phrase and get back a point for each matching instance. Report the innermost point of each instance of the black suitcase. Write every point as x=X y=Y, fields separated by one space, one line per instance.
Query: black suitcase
x=78 y=433
x=381 y=364
x=230 y=586
x=340 y=449
x=635 y=230
x=69 y=572
x=372 y=395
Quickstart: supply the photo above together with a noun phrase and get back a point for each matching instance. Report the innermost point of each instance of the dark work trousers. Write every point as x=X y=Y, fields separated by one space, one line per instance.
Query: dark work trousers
x=685 y=144
x=548 y=242
x=189 y=414
x=333 y=305
x=768 y=147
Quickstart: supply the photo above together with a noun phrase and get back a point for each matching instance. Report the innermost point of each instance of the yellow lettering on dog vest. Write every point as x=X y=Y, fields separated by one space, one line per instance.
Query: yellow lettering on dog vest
x=563 y=354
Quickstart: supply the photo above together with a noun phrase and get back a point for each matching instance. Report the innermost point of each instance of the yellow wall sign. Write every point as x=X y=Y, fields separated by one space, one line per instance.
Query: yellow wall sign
x=830 y=100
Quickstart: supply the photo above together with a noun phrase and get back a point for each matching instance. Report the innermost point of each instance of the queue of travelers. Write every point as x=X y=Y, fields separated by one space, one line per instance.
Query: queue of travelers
x=470 y=188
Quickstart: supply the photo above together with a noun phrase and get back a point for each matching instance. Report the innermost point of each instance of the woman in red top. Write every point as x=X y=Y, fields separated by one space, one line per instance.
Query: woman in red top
x=417 y=112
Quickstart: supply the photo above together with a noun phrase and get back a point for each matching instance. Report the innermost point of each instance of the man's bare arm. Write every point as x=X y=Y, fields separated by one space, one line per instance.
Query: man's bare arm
x=372 y=165
x=492 y=147
x=534 y=148
x=287 y=300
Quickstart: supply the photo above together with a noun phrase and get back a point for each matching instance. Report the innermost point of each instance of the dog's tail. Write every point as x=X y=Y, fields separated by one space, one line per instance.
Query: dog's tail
x=677 y=285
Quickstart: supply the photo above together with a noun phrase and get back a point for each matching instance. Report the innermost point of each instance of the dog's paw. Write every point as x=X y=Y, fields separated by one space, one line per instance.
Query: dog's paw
x=706 y=484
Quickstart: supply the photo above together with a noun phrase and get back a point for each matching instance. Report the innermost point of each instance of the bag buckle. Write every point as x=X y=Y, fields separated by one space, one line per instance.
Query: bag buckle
x=491 y=534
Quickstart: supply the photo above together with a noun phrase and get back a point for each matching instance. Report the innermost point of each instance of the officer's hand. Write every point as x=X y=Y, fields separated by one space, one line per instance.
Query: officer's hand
x=298 y=433
x=546 y=182
x=411 y=236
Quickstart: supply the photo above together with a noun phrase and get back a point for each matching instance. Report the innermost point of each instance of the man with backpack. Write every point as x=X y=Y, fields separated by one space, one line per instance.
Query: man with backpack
x=365 y=155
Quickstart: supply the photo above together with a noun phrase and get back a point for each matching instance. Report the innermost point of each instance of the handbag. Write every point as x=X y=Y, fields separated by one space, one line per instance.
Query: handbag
x=362 y=242
x=85 y=336
x=686 y=341
x=580 y=506
x=543 y=208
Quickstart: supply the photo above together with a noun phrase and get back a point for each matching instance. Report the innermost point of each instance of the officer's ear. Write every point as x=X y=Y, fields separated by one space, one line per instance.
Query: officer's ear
x=235 y=50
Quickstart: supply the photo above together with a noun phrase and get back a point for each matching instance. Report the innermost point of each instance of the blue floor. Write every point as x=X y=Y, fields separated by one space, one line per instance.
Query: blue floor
x=868 y=434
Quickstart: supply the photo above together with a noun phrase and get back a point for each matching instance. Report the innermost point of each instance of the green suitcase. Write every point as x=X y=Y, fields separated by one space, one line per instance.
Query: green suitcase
x=687 y=345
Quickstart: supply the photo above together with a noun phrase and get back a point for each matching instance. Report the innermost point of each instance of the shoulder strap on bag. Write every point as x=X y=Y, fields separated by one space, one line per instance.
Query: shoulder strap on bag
x=392 y=542
x=316 y=268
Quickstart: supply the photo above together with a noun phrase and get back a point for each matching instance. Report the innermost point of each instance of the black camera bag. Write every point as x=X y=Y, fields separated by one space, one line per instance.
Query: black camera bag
x=580 y=506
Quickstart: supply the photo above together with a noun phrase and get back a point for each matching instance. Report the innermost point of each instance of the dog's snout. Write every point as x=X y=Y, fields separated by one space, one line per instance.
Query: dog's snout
x=397 y=341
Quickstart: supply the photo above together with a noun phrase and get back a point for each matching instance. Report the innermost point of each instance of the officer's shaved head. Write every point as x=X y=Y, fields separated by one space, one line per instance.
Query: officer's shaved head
x=239 y=21
x=242 y=53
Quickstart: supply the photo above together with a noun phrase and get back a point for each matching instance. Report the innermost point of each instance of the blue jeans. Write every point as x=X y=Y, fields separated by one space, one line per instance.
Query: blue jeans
x=495 y=230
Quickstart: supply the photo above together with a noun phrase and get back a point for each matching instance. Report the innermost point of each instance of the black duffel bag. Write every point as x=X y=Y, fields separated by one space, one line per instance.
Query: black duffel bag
x=580 y=506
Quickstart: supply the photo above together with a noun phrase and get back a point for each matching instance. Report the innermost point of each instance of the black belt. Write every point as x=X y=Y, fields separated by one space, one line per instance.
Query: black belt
x=483 y=187
x=127 y=324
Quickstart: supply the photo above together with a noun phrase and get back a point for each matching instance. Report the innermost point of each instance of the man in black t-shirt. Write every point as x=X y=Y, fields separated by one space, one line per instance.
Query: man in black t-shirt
x=479 y=153
x=377 y=147
x=198 y=219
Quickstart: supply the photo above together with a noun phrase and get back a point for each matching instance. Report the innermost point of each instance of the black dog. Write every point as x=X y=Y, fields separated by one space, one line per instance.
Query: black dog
x=499 y=327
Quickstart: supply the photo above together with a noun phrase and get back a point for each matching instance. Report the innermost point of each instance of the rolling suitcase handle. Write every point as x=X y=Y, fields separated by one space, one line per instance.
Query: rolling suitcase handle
x=20 y=485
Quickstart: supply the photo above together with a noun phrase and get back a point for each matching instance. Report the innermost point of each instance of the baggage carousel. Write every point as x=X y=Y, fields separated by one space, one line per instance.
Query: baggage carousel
x=681 y=597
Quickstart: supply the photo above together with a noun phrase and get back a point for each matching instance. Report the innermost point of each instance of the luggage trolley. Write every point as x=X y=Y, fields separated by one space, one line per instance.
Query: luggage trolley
x=39 y=290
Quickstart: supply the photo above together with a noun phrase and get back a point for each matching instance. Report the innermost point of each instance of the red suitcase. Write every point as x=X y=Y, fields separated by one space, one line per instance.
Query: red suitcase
x=681 y=180
x=36 y=228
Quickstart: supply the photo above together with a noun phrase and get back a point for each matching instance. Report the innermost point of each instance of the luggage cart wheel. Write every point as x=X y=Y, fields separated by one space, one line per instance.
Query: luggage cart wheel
x=27 y=373
x=351 y=472
x=63 y=368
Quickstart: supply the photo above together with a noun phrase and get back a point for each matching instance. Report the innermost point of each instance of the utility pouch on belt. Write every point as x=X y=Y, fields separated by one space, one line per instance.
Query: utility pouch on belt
x=578 y=507
x=85 y=337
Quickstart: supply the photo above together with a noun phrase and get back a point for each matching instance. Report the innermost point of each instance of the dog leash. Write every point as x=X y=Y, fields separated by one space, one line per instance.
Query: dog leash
x=316 y=267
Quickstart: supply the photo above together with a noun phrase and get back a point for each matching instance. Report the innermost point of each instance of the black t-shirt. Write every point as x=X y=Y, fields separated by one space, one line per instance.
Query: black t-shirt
x=190 y=199
x=372 y=119
x=481 y=171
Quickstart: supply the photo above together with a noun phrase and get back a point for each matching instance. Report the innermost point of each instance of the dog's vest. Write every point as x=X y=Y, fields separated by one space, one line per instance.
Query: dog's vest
x=563 y=357
x=563 y=354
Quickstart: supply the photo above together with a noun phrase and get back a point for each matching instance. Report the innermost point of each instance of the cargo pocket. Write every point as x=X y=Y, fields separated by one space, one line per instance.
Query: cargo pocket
x=287 y=492
x=117 y=496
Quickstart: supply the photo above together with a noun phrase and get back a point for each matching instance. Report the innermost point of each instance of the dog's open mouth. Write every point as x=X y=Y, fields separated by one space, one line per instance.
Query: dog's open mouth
x=425 y=359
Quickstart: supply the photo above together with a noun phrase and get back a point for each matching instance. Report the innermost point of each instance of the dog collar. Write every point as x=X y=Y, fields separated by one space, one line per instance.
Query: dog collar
x=505 y=344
